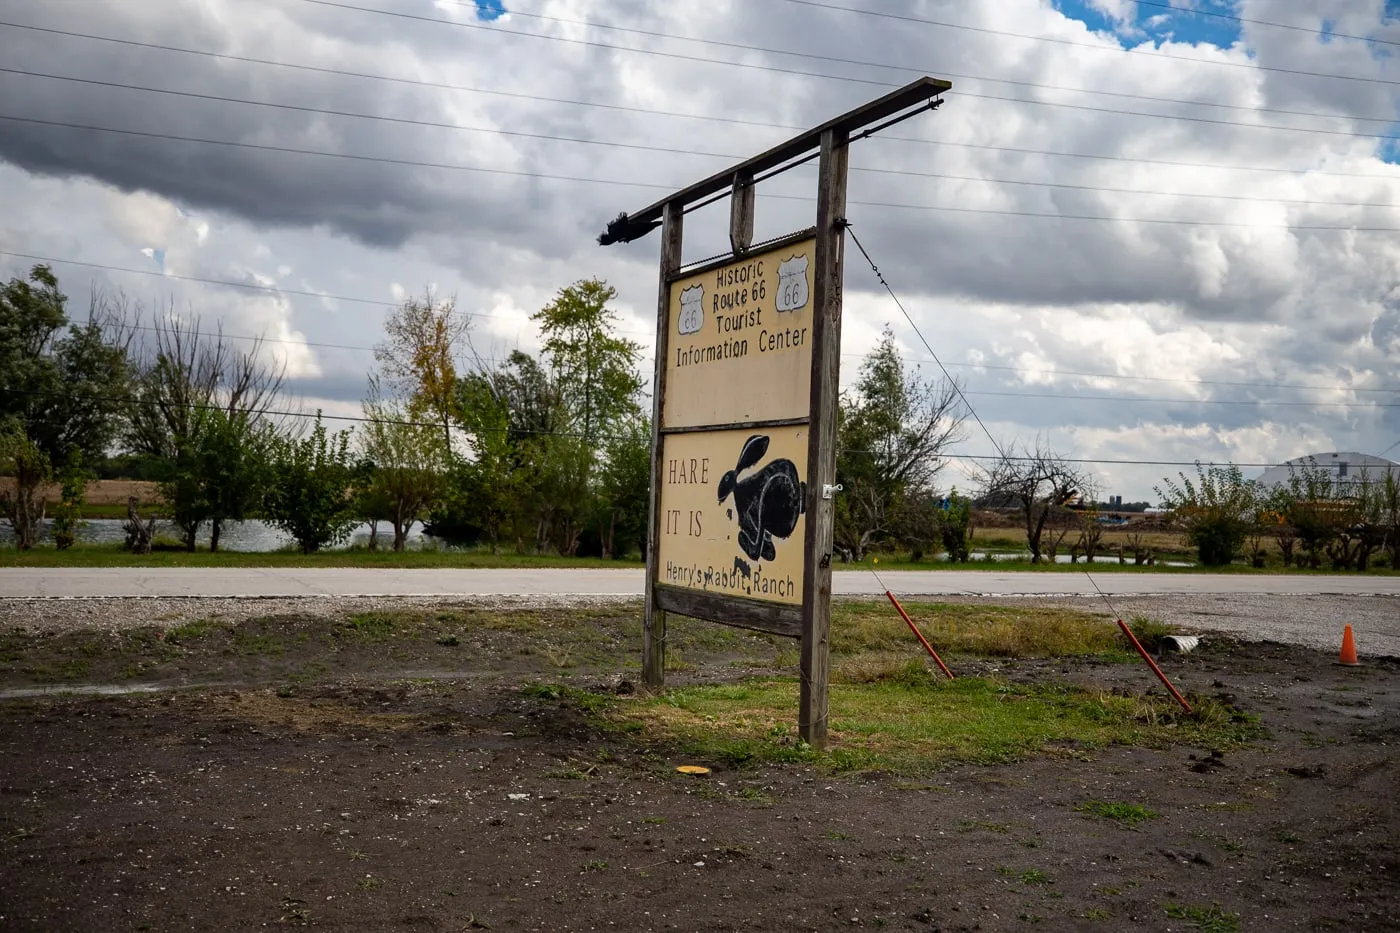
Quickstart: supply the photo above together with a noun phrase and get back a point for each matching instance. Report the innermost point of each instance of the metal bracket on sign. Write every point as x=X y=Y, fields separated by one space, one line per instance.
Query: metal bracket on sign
x=829 y=491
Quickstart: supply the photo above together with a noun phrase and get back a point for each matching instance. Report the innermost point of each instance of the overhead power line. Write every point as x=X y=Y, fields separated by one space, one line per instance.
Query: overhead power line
x=981 y=366
x=271 y=289
x=814 y=74
x=1191 y=11
x=434 y=124
x=941 y=72
x=736 y=121
x=291 y=150
x=1151 y=53
x=579 y=435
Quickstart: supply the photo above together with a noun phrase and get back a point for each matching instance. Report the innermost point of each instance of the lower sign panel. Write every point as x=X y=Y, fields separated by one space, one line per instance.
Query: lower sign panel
x=732 y=512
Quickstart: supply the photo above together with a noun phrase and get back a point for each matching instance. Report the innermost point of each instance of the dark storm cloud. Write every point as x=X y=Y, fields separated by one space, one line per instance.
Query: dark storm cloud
x=382 y=204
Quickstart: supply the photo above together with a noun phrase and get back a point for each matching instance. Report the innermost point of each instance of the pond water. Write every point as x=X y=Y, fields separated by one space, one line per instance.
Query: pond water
x=1065 y=559
x=254 y=535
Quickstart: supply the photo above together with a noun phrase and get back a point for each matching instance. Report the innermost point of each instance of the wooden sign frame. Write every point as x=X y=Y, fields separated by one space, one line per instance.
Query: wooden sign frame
x=811 y=620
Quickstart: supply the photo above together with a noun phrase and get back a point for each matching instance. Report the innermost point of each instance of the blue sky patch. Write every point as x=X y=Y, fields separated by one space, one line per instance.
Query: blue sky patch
x=1162 y=25
x=490 y=10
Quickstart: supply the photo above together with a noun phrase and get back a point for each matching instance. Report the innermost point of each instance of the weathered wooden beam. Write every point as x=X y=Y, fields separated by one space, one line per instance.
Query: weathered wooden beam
x=773 y=618
x=741 y=205
x=633 y=226
x=821 y=439
x=654 y=618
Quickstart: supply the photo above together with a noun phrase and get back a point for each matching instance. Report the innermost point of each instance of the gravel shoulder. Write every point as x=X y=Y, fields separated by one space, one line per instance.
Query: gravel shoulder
x=1308 y=621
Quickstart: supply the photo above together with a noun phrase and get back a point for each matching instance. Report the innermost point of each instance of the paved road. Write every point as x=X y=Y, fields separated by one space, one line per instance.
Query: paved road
x=28 y=583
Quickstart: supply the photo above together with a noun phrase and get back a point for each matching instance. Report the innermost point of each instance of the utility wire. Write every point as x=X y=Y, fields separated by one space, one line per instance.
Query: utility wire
x=677 y=151
x=578 y=435
x=292 y=150
x=716 y=119
x=1151 y=53
x=943 y=73
x=899 y=304
x=274 y=289
x=815 y=74
x=1171 y=221
x=1190 y=11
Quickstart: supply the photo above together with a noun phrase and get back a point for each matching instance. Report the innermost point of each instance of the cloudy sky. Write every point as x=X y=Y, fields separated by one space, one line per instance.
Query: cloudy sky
x=1138 y=231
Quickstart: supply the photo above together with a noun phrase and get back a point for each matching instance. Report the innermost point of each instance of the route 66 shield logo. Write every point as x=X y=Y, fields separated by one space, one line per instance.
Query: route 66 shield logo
x=692 y=316
x=792 y=283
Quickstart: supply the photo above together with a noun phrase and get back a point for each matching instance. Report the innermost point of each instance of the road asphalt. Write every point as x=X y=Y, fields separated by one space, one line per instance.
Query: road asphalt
x=195 y=582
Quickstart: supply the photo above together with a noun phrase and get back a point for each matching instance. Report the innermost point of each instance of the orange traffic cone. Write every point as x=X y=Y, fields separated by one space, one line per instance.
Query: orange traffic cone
x=1348 y=648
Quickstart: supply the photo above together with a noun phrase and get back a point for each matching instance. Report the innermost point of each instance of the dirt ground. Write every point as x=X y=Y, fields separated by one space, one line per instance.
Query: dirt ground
x=285 y=774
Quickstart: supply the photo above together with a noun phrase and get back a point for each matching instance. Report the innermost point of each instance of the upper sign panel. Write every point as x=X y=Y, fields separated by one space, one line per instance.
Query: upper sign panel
x=740 y=346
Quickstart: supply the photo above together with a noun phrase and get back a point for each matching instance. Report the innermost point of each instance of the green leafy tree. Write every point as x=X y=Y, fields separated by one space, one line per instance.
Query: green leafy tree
x=424 y=338
x=1388 y=504
x=311 y=494
x=956 y=528
x=483 y=495
x=1216 y=511
x=594 y=369
x=892 y=432
x=624 y=485
x=73 y=480
x=1312 y=507
x=407 y=462
x=61 y=385
x=23 y=504
x=235 y=466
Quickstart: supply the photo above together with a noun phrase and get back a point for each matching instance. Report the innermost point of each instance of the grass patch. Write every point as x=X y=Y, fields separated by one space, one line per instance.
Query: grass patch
x=996 y=631
x=912 y=723
x=1128 y=814
x=1212 y=919
x=1150 y=632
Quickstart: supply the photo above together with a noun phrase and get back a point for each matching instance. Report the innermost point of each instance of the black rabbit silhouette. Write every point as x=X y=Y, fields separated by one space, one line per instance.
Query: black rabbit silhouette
x=768 y=501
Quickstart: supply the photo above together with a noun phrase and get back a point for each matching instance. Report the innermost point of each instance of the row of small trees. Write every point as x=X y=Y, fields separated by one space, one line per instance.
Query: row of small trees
x=542 y=453
x=1315 y=519
x=548 y=453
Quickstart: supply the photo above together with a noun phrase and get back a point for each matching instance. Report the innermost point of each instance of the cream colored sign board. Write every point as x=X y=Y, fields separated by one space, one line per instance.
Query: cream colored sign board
x=740 y=347
x=732 y=512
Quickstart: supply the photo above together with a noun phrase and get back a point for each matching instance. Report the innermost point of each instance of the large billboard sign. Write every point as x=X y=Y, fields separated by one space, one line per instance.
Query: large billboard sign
x=743 y=458
x=733 y=459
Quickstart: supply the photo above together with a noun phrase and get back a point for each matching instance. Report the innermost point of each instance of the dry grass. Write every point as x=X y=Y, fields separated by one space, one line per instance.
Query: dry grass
x=997 y=631
x=1160 y=542
x=102 y=492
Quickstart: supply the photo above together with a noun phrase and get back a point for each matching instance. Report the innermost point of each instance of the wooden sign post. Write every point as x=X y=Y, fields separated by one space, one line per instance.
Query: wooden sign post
x=743 y=457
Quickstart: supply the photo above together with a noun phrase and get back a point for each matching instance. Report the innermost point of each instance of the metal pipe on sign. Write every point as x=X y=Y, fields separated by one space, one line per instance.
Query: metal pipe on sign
x=918 y=634
x=1153 y=664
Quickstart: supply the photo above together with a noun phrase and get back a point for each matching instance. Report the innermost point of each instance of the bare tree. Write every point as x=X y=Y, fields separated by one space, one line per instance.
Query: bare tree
x=1036 y=482
x=201 y=405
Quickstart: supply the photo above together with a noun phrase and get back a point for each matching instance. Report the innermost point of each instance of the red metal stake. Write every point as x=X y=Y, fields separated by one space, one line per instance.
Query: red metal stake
x=915 y=629
x=1153 y=664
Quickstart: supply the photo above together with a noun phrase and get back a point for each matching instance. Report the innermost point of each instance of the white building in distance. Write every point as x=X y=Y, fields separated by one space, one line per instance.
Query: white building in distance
x=1344 y=467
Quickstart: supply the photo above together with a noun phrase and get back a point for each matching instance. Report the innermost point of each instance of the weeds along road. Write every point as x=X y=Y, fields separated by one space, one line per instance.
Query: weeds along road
x=38 y=582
